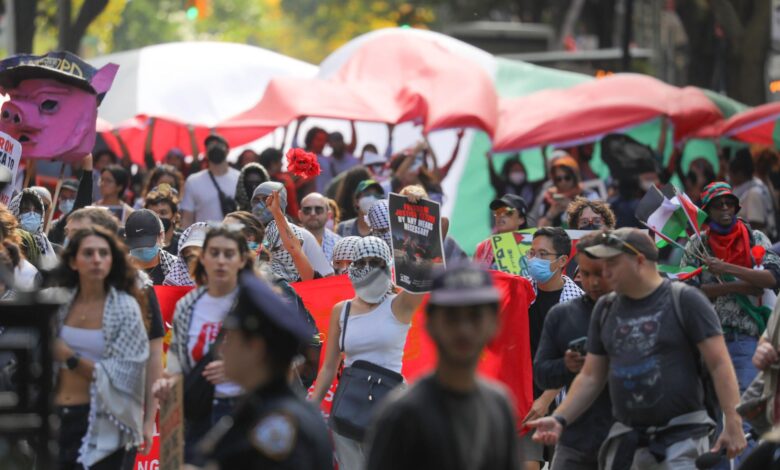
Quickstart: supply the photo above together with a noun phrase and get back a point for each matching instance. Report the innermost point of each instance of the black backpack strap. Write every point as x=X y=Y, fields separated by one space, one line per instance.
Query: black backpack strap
x=213 y=180
x=609 y=300
x=344 y=329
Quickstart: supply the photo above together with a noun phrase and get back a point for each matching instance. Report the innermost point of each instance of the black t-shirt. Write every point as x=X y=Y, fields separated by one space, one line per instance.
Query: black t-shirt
x=156 y=327
x=545 y=300
x=653 y=360
x=156 y=274
x=429 y=426
x=173 y=247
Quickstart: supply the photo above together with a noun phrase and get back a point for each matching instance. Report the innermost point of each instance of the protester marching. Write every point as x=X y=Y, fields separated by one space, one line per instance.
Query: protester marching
x=571 y=298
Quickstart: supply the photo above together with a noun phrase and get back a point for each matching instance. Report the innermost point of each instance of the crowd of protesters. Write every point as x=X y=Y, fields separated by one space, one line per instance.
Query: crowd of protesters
x=678 y=356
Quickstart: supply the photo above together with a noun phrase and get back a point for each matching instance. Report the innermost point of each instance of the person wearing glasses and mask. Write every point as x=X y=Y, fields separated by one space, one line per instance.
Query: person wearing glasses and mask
x=510 y=214
x=550 y=208
x=314 y=214
x=144 y=235
x=547 y=259
x=377 y=322
x=737 y=275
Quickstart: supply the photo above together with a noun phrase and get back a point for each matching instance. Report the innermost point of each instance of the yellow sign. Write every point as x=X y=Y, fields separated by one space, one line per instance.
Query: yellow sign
x=509 y=251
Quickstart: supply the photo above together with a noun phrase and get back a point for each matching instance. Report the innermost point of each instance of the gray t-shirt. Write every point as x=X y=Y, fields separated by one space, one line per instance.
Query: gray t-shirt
x=653 y=360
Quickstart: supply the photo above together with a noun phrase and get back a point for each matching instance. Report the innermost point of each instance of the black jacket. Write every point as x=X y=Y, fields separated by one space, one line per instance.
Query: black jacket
x=566 y=322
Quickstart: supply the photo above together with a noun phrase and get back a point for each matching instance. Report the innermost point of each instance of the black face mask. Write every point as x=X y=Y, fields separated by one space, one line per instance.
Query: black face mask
x=216 y=155
x=166 y=223
x=590 y=227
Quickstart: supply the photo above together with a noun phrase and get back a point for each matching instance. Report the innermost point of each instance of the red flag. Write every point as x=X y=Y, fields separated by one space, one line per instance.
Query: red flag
x=507 y=359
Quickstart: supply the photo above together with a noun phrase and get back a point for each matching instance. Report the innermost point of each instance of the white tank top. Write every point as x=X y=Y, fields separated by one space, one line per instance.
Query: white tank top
x=87 y=342
x=376 y=336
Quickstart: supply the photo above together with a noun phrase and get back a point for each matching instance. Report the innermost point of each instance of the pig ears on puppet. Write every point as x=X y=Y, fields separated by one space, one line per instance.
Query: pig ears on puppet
x=102 y=80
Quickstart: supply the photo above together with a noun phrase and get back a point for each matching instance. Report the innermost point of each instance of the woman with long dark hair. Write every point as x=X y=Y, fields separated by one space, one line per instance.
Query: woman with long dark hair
x=197 y=321
x=102 y=348
x=114 y=181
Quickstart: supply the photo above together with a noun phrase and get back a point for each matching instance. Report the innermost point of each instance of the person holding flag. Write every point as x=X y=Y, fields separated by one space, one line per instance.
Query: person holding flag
x=740 y=273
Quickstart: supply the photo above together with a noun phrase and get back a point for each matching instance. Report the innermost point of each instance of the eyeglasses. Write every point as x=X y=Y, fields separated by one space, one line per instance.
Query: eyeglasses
x=561 y=178
x=594 y=221
x=612 y=241
x=371 y=262
x=504 y=211
x=319 y=210
x=235 y=227
x=540 y=254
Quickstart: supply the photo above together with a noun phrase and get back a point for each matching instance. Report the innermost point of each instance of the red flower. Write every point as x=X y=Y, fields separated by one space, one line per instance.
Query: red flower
x=302 y=163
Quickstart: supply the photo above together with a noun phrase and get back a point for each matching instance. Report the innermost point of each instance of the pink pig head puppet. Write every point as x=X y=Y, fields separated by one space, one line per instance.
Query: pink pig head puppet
x=52 y=106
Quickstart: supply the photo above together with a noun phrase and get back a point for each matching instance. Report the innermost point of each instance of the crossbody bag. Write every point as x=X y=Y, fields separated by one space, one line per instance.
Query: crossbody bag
x=362 y=386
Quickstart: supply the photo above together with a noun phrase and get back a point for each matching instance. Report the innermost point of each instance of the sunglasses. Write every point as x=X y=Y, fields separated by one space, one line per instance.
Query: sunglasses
x=612 y=241
x=235 y=227
x=319 y=210
x=562 y=178
x=593 y=221
x=724 y=202
x=504 y=211
x=370 y=262
x=165 y=187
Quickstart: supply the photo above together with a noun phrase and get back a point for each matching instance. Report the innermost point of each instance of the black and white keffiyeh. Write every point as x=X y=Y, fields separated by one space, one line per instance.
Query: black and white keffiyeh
x=282 y=263
x=118 y=384
x=345 y=249
x=370 y=247
x=379 y=220
x=175 y=270
x=570 y=291
x=188 y=232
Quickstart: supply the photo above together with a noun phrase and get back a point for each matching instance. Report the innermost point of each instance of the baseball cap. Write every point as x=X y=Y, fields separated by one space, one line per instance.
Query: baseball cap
x=142 y=228
x=366 y=184
x=373 y=158
x=510 y=200
x=624 y=240
x=715 y=190
x=463 y=284
x=70 y=183
x=215 y=138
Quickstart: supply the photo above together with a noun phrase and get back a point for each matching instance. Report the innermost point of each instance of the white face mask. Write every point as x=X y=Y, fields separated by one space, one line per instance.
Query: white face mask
x=517 y=178
x=366 y=202
x=371 y=284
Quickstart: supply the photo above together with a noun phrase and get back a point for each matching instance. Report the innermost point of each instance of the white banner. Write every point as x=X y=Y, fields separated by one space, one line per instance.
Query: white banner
x=10 y=156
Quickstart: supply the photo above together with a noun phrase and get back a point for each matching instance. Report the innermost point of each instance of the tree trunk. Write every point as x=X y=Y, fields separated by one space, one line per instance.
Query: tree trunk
x=90 y=10
x=63 y=22
x=24 y=25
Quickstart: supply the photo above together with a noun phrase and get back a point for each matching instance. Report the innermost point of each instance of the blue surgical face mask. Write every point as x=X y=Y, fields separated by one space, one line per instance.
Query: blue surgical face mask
x=30 y=221
x=146 y=253
x=66 y=205
x=262 y=213
x=539 y=269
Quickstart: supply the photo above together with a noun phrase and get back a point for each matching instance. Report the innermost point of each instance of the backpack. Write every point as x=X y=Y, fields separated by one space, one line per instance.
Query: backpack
x=710 y=398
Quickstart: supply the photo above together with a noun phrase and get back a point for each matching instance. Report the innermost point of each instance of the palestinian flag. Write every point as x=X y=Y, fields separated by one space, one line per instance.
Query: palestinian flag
x=663 y=216
x=696 y=217
x=678 y=273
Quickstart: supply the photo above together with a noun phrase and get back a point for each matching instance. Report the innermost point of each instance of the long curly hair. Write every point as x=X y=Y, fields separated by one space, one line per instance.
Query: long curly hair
x=574 y=212
x=122 y=276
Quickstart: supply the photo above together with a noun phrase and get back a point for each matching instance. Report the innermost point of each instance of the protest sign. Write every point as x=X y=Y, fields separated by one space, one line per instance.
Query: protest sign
x=416 y=239
x=172 y=430
x=10 y=155
x=509 y=250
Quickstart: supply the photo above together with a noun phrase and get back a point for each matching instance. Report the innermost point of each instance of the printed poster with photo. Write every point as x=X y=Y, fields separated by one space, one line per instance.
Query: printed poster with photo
x=10 y=157
x=417 y=242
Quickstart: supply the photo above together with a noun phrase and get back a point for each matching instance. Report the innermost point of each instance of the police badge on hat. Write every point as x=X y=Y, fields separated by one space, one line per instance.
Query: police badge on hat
x=275 y=435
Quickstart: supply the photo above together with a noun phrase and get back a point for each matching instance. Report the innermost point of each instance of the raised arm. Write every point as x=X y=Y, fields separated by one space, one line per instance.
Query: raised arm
x=289 y=241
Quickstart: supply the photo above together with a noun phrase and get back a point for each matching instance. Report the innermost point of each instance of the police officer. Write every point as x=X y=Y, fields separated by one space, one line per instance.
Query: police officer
x=272 y=428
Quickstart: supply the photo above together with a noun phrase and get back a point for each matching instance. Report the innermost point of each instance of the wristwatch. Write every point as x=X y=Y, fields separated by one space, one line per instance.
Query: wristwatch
x=561 y=420
x=73 y=361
